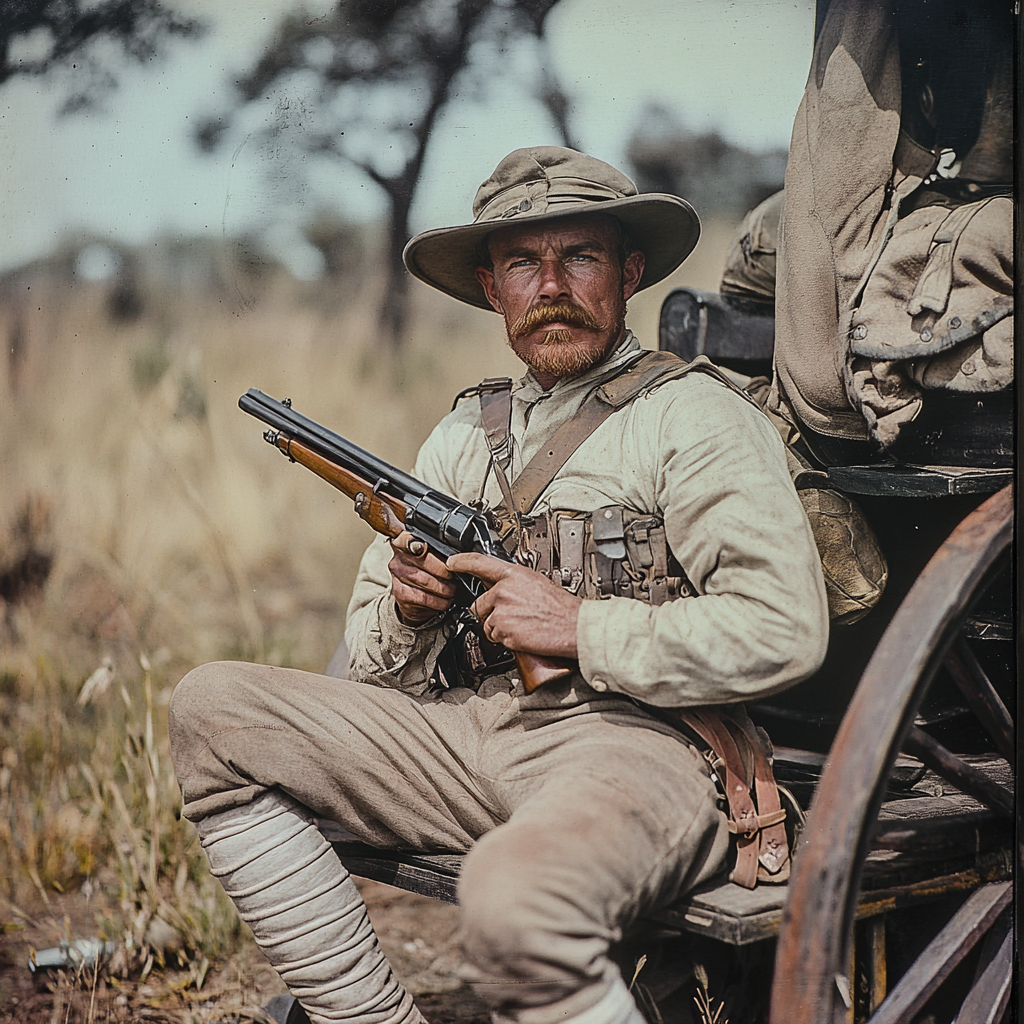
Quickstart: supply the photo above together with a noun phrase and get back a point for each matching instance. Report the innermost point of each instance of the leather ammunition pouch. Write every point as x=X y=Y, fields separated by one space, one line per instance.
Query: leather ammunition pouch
x=613 y=552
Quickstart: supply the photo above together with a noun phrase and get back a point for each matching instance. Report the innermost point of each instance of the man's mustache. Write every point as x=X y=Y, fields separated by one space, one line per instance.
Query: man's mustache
x=567 y=313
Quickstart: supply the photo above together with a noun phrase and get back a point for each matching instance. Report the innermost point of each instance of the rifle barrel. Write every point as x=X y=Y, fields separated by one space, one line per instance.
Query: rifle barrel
x=431 y=512
x=282 y=416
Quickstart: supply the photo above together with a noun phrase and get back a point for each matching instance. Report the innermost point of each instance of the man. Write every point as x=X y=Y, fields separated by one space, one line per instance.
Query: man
x=579 y=807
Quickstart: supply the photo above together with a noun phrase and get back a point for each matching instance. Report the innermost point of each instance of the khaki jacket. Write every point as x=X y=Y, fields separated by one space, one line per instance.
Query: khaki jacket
x=714 y=467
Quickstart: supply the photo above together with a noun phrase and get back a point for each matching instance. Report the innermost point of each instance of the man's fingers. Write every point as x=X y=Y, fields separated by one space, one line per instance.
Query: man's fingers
x=484 y=567
x=421 y=579
x=484 y=605
x=413 y=552
x=405 y=541
x=412 y=599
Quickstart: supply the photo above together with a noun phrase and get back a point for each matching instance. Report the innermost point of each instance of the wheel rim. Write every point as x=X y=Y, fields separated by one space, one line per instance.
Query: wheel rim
x=818 y=917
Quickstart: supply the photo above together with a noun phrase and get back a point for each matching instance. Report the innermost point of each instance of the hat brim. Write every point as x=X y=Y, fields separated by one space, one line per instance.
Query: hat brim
x=664 y=227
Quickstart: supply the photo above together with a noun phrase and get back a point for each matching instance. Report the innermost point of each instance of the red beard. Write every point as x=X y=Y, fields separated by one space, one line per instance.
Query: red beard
x=561 y=354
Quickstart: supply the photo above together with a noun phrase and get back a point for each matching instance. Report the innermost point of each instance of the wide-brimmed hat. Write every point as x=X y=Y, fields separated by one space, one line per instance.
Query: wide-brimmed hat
x=543 y=183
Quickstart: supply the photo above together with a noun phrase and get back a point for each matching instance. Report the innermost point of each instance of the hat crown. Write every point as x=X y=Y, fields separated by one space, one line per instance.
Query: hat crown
x=535 y=179
x=543 y=185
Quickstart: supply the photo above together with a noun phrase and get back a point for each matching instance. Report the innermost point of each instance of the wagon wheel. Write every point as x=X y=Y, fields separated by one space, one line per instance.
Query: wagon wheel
x=812 y=974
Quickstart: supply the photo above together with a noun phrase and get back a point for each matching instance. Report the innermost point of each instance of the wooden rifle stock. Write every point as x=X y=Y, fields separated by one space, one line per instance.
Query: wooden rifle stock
x=387 y=516
x=384 y=513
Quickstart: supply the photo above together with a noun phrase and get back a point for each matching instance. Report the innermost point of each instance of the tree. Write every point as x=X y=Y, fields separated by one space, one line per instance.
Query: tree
x=38 y=36
x=366 y=84
x=711 y=173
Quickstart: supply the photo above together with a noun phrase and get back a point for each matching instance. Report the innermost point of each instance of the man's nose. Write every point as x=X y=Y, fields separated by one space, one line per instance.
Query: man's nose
x=554 y=282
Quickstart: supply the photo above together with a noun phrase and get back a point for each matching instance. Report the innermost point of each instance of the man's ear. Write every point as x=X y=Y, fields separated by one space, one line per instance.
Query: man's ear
x=632 y=271
x=486 y=279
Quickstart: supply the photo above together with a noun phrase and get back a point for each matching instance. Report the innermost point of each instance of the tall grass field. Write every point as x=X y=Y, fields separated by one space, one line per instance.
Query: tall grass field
x=146 y=527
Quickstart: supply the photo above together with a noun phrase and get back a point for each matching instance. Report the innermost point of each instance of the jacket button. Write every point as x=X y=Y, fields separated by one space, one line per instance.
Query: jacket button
x=598 y=684
x=926 y=335
x=860 y=332
x=955 y=322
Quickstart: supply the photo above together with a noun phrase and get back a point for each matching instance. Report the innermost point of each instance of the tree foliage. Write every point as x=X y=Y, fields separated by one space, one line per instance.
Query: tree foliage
x=702 y=167
x=367 y=83
x=39 y=36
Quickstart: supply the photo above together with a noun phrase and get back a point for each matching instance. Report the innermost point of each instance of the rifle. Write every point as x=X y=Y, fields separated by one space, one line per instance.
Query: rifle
x=392 y=501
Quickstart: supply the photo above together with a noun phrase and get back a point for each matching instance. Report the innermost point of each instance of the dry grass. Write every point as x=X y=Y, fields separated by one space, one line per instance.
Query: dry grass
x=165 y=533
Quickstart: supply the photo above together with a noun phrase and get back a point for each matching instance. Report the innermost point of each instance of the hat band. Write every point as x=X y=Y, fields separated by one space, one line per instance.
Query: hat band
x=583 y=192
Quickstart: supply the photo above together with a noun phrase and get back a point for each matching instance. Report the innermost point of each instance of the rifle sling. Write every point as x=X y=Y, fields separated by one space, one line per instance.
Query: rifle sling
x=627 y=383
x=496 y=415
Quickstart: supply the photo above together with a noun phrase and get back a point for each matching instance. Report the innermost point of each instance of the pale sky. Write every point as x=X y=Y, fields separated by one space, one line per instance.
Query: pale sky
x=130 y=171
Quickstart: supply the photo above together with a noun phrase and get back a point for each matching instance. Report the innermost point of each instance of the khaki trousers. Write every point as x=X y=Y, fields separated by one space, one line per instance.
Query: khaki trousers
x=579 y=812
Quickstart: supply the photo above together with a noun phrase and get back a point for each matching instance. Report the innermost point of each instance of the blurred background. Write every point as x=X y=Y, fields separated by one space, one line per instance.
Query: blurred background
x=200 y=197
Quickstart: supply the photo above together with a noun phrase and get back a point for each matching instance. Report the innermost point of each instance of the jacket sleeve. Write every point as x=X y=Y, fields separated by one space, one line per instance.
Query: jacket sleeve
x=382 y=649
x=759 y=622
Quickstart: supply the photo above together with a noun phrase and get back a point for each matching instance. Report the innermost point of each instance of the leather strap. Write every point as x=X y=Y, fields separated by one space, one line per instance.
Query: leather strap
x=762 y=849
x=708 y=724
x=619 y=389
x=496 y=413
x=496 y=416
x=773 y=846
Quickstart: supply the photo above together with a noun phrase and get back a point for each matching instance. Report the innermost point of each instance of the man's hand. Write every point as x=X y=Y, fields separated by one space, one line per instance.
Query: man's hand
x=523 y=610
x=421 y=585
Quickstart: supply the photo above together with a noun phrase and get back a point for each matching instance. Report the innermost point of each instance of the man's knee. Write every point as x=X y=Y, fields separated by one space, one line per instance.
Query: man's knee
x=208 y=701
x=522 y=923
x=544 y=898
x=195 y=704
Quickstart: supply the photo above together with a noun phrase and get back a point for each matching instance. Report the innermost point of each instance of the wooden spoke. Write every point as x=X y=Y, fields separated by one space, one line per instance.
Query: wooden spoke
x=964 y=776
x=877 y=980
x=986 y=1002
x=944 y=952
x=982 y=697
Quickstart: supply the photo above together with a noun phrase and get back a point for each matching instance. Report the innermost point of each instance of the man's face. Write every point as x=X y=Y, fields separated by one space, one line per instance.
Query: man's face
x=562 y=292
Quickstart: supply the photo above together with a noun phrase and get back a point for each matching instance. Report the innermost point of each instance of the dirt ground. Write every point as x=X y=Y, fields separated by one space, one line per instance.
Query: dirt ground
x=417 y=935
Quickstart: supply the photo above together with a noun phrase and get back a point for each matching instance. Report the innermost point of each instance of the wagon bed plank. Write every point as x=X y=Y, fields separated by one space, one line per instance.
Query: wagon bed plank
x=970 y=841
x=905 y=481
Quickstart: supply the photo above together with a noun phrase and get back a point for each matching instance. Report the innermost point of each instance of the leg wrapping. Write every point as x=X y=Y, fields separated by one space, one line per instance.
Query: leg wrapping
x=305 y=911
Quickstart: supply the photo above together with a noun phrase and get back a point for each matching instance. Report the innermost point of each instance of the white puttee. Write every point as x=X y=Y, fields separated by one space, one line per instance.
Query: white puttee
x=305 y=911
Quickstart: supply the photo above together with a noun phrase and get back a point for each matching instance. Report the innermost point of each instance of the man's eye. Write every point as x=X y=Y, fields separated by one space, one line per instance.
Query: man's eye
x=582 y=257
x=519 y=263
